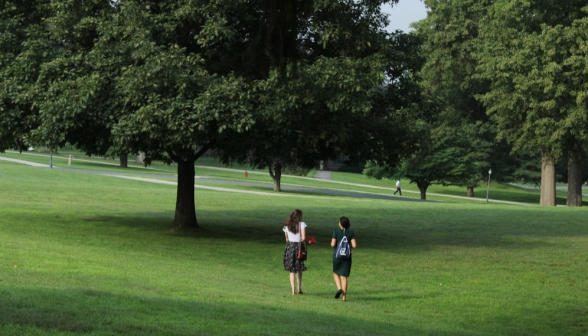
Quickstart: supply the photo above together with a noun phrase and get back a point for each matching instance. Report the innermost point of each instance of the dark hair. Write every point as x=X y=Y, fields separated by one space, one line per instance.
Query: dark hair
x=344 y=221
x=293 y=221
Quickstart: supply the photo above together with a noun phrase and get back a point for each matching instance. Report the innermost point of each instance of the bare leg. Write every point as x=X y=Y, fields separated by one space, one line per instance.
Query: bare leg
x=299 y=276
x=292 y=282
x=337 y=280
x=344 y=287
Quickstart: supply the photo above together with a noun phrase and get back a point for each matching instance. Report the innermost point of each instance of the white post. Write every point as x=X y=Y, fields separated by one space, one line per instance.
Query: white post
x=488 y=190
x=140 y=158
x=69 y=160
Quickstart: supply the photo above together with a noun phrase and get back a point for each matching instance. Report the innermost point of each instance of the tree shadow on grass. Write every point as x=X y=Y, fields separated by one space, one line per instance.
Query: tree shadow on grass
x=423 y=227
x=383 y=228
x=522 y=195
x=571 y=320
x=84 y=311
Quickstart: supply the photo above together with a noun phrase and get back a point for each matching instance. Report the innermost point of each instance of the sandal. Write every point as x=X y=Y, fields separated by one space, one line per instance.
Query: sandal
x=338 y=294
x=300 y=291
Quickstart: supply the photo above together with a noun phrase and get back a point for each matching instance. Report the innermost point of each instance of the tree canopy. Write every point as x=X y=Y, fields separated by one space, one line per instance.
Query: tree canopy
x=534 y=54
x=450 y=40
x=175 y=79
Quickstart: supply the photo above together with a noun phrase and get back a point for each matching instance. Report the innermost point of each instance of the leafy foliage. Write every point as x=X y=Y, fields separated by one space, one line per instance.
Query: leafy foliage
x=450 y=34
x=429 y=159
x=175 y=79
x=23 y=48
x=534 y=56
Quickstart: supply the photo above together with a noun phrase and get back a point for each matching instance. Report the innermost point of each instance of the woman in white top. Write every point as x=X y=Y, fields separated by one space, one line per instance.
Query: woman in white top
x=295 y=232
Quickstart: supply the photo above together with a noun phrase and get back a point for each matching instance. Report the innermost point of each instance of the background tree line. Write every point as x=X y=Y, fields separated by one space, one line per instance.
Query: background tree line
x=509 y=79
x=282 y=83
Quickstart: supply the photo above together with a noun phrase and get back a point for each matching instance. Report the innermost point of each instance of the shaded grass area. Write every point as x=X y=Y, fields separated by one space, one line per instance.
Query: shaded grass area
x=96 y=255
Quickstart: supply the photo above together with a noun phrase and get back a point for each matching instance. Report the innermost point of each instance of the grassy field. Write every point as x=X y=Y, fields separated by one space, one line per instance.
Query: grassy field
x=91 y=254
x=209 y=167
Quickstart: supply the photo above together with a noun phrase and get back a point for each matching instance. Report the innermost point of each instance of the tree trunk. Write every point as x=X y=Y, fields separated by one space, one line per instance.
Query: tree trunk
x=547 y=180
x=423 y=188
x=470 y=192
x=185 y=217
x=276 y=176
x=124 y=160
x=574 y=182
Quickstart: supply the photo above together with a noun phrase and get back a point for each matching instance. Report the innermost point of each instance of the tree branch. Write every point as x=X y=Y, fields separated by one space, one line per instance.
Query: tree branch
x=203 y=149
x=174 y=157
x=271 y=171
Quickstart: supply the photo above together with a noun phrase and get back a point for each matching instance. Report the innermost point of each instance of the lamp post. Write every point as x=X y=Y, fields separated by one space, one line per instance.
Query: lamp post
x=488 y=190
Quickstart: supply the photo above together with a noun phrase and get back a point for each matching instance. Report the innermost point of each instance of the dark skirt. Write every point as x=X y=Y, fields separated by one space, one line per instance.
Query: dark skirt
x=341 y=267
x=291 y=262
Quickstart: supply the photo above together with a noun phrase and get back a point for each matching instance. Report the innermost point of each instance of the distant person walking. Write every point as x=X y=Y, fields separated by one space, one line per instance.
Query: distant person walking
x=398 y=188
x=295 y=232
x=342 y=267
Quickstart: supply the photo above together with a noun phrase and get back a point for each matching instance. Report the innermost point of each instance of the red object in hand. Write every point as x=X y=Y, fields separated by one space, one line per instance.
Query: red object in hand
x=311 y=240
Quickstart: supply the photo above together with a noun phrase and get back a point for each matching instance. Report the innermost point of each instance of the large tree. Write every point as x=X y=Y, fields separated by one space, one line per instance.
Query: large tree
x=179 y=100
x=450 y=39
x=201 y=82
x=533 y=54
x=174 y=79
x=429 y=161
x=424 y=157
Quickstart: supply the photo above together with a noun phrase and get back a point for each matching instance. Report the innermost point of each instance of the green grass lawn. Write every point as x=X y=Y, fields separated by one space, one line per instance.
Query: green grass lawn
x=91 y=254
x=209 y=167
x=498 y=191
x=205 y=166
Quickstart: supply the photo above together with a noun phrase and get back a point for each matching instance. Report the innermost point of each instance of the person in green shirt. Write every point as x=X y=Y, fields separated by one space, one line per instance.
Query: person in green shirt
x=342 y=268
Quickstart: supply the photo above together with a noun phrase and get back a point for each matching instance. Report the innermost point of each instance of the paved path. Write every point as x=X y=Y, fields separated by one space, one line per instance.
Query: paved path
x=322 y=175
x=318 y=191
x=153 y=178
x=28 y=163
x=537 y=187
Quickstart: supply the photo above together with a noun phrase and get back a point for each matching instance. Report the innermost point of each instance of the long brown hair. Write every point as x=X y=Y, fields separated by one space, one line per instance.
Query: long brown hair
x=293 y=221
